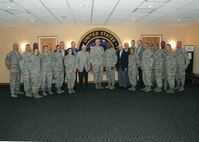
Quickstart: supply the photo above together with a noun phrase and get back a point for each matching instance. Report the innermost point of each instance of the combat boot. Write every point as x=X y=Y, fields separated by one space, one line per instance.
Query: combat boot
x=44 y=93
x=14 y=95
x=58 y=90
x=97 y=86
x=69 y=91
x=28 y=94
x=62 y=91
x=181 y=89
x=112 y=87
x=143 y=89
x=130 y=89
x=148 y=89
x=158 y=89
x=72 y=90
x=108 y=87
x=133 y=88
x=19 y=93
x=170 y=91
x=36 y=96
x=177 y=87
x=49 y=91
x=100 y=86
x=165 y=88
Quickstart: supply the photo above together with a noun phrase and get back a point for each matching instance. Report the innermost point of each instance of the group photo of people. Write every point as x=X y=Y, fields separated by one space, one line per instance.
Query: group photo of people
x=142 y=66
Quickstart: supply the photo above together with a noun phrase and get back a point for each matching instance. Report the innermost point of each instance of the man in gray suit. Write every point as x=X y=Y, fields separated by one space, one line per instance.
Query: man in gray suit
x=139 y=52
x=83 y=66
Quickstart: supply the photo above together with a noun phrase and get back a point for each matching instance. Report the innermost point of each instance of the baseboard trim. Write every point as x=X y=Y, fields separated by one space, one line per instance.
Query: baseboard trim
x=90 y=82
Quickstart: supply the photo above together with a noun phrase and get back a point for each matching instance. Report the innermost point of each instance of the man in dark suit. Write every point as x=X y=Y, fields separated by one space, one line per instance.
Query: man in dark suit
x=139 y=52
x=122 y=66
x=62 y=47
x=74 y=48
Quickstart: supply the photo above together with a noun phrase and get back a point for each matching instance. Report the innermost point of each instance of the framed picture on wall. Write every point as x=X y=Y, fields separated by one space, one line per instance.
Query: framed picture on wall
x=45 y=40
x=153 y=38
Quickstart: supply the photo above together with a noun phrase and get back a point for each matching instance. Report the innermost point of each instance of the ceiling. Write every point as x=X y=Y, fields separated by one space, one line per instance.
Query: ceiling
x=98 y=12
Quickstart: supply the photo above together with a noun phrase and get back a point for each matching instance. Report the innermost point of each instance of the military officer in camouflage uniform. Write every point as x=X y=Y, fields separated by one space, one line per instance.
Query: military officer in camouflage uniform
x=35 y=70
x=151 y=46
x=182 y=62
x=97 y=60
x=164 y=54
x=70 y=69
x=170 y=66
x=24 y=65
x=147 y=66
x=46 y=71
x=133 y=64
x=110 y=62
x=12 y=63
x=58 y=69
x=158 y=68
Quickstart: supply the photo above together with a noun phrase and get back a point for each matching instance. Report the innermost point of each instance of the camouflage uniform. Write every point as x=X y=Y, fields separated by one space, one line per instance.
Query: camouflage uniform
x=24 y=64
x=46 y=71
x=152 y=48
x=147 y=65
x=70 y=69
x=170 y=65
x=110 y=62
x=182 y=62
x=12 y=63
x=35 y=70
x=133 y=63
x=58 y=70
x=164 y=54
x=97 y=60
x=158 y=69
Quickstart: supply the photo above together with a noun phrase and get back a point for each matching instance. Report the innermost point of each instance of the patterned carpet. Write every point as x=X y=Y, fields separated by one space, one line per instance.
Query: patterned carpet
x=102 y=116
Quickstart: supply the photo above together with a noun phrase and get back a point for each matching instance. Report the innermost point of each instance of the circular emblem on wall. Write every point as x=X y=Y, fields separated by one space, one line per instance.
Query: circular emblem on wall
x=104 y=35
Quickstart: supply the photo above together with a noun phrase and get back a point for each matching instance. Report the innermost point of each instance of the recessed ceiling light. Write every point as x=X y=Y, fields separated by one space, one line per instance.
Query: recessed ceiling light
x=32 y=20
x=8 y=7
x=150 y=6
x=132 y=19
x=63 y=16
x=179 y=20
x=188 y=17
x=81 y=5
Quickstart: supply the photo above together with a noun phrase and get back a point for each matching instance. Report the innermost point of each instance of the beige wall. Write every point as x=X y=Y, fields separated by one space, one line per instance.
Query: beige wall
x=68 y=33
x=192 y=38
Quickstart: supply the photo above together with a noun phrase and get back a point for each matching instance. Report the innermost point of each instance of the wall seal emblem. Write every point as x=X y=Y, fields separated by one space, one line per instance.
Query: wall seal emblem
x=104 y=35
